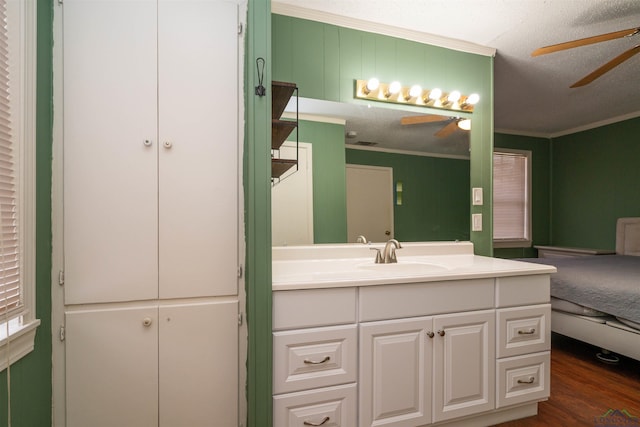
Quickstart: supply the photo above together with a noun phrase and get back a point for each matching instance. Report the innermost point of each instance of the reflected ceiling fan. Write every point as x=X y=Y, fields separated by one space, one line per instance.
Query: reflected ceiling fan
x=591 y=40
x=454 y=123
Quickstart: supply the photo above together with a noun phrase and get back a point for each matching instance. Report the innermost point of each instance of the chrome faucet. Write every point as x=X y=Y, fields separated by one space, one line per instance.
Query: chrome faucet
x=361 y=239
x=388 y=255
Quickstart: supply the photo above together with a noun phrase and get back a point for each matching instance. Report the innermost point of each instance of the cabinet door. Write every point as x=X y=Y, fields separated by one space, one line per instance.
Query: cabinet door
x=112 y=367
x=198 y=364
x=198 y=159
x=110 y=157
x=395 y=373
x=464 y=364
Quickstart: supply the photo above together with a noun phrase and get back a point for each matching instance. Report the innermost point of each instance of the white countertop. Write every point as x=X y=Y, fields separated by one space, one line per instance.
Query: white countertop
x=331 y=266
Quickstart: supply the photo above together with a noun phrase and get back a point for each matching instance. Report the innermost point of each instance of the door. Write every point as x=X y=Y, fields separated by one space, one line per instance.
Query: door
x=198 y=364
x=110 y=157
x=198 y=159
x=292 y=199
x=369 y=203
x=464 y=364
x=112 y=367
x=395 y=373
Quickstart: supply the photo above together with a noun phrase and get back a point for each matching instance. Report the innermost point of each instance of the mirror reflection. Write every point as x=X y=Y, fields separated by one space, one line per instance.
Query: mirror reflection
x=376 y=171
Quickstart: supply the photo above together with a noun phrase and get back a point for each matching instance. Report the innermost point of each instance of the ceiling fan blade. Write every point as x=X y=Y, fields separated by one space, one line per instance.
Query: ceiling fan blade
x=447 y=130
x=586 y=41
x=429 y=118
x=607 y=67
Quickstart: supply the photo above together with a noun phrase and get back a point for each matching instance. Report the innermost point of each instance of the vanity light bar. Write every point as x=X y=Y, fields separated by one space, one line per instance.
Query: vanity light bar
x=394 y=92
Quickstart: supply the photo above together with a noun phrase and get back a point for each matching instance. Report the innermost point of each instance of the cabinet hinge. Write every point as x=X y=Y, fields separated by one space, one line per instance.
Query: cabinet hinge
x=61 y=277
x=60 y=1
x=61 y=336
x=240 y=272
x=240 y=319
x=240 y=28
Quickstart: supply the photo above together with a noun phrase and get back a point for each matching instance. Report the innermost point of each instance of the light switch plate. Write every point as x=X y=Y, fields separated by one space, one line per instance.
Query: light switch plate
x=476 y=222
x=477 y=196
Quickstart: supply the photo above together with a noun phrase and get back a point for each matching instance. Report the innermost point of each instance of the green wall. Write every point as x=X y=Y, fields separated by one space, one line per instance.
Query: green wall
x=540 y=191
x=31 y=376
x=324 y=61
x=596 y=179
x=435 y=195
x=329 y=192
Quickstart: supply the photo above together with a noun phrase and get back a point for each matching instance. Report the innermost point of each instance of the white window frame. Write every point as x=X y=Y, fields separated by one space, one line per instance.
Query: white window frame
x=18 y=334
x=517 y=242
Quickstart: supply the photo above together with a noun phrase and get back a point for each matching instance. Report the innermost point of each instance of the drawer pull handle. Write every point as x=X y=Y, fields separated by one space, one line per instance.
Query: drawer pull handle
x=528 y=381
x=324 y=420
x=311 y=362
x=529 y=332
x=441 y=332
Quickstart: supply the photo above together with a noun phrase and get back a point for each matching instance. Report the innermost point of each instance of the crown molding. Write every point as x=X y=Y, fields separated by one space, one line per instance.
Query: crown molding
x=377 y=28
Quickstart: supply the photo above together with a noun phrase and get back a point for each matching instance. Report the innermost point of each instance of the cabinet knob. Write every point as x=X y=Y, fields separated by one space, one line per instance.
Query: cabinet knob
x=441 y=332
x=430 y=334
x=146 y=322
x=167 y=144
x=147 y=143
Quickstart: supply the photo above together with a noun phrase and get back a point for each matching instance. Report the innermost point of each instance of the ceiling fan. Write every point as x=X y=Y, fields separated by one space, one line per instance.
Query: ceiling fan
x=445 y=131
x=591 y=40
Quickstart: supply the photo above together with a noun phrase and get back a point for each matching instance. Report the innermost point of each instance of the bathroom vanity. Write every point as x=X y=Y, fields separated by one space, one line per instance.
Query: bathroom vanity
x=442 y=337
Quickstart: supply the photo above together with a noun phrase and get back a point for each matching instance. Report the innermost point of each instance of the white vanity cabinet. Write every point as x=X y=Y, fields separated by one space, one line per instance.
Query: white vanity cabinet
x=470 y=352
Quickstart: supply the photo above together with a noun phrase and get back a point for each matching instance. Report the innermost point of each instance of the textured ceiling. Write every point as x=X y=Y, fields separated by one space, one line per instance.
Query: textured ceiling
x=532 y=95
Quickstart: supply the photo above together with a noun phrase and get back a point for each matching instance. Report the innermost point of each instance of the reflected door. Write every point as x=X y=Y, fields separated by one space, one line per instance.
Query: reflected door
x=369 y=203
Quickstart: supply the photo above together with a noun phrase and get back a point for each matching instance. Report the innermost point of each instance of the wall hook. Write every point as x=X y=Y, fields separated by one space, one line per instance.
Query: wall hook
x=260 y=89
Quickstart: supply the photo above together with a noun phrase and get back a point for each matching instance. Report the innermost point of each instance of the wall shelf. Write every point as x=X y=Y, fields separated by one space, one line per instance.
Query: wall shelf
x=281 y=129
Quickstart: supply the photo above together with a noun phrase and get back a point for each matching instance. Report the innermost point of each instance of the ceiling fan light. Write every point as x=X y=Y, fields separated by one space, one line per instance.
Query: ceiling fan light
x=464 y=124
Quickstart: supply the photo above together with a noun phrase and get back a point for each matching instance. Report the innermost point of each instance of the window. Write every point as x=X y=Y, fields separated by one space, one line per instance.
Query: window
x=17 y=179
x=511 y=198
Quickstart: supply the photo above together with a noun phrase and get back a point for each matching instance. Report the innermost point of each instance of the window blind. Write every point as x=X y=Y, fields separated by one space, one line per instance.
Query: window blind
x=510 y=194
x=10 y=289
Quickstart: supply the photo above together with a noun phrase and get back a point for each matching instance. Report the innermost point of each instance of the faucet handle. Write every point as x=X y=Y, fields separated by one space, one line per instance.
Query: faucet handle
x=379 y=259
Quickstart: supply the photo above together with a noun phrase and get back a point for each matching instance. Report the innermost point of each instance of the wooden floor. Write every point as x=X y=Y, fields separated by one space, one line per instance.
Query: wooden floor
x=583 y=388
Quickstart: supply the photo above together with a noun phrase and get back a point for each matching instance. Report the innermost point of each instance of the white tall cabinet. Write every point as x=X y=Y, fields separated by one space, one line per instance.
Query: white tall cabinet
x=150 y=186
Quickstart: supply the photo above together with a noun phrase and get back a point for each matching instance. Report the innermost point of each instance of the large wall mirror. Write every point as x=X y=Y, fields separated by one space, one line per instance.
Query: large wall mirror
x=427 y=154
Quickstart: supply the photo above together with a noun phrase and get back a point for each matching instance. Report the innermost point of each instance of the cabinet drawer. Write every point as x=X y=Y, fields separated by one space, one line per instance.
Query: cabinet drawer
x=523 y=330
x=311 y=358
x=522 y=290
x=332 y=406
x=313 y=307
x=523 y=378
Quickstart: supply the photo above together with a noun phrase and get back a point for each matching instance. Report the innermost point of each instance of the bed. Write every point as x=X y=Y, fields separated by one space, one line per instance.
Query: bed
x=596 y=299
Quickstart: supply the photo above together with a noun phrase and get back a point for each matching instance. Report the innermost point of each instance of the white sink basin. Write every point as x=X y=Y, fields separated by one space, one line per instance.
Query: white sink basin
x=403 y=268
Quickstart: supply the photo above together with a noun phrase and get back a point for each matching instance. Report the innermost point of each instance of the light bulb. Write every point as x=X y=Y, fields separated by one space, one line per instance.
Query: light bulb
x=454 y=96
x=435 y=94
x=464 y=124
x=394 y=88
x=372 y=84
x=415 y=91
x=473 y=99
